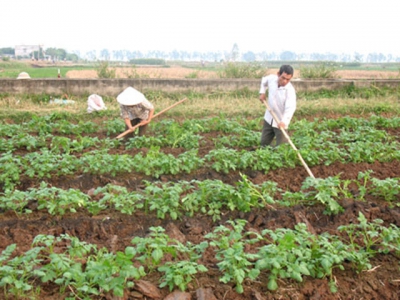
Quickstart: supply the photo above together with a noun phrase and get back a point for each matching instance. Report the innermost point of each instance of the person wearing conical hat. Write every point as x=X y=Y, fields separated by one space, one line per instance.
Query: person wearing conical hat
x=23 y=75
x=135 y=110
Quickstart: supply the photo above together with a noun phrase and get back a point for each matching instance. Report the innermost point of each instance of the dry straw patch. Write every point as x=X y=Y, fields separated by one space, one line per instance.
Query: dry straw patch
x=205 y=107
x=177 y=72
x=147 y=72
x=366 y=74
x=191 y=107
x=14 y=104
x=351 y=74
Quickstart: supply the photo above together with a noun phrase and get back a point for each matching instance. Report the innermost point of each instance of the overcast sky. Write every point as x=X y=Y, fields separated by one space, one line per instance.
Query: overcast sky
x=337 y=26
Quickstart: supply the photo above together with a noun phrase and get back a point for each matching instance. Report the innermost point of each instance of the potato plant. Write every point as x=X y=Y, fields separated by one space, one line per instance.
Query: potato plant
x=227 y=175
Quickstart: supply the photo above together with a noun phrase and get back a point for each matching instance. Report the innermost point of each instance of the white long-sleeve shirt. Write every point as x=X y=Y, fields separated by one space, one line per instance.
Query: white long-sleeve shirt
x=282 y=100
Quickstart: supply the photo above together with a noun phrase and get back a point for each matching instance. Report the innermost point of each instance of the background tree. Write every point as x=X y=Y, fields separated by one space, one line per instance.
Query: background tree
x=175 y=54
x=72 y=57
x=56 y=53
x=288 y=55
x=8 y=51
x=358 y=57
x=105 y=54
x=249 y=56
x=91 y=55
x=37 y=55
x=235 y=53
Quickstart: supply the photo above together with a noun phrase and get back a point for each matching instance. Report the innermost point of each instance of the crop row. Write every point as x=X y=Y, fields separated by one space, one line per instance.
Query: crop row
x=284 y=253
x=155 y=163
x=52 y=125
x=241 y=137
x=210 y=197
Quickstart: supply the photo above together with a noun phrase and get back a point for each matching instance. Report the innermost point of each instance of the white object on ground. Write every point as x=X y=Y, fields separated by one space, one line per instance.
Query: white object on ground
x=95 y=103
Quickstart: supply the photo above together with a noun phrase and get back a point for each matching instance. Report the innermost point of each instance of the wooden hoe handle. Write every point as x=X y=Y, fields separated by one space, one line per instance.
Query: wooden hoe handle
x=289 y=140
x=156 y=115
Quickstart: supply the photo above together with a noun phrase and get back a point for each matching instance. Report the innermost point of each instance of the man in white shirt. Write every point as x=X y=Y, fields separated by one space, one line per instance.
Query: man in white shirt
x=282 y=101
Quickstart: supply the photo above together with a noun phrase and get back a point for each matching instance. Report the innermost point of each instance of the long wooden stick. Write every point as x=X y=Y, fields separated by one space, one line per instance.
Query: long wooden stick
x=156 y=115
x=289 y=140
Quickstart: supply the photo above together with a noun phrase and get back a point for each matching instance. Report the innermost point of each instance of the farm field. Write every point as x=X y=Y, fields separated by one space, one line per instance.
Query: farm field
x=177 y=70
x=196 y=206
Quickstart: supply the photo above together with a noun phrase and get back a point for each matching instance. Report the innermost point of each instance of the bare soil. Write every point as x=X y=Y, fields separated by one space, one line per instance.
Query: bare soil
x=114 y=231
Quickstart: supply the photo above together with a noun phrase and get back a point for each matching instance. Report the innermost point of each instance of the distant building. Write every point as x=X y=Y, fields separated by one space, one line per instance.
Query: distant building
x=26 y=50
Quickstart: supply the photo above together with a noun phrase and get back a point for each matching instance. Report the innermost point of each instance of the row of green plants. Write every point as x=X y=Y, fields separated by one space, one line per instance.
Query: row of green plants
x=172 y=134
x=210 y=197
x=156 y=163
x=45 y=163
x=83 y=271
x=57 y=124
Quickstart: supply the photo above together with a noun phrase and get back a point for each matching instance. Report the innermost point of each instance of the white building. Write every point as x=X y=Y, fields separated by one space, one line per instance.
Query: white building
x=26 y=50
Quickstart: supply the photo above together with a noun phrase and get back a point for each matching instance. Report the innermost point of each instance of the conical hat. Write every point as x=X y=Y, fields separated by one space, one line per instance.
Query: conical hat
x=23 y=75
x=130 y=96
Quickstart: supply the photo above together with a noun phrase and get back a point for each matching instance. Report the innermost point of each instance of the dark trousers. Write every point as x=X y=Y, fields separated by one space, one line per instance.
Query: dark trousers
x=268 y=134
x=142 y=129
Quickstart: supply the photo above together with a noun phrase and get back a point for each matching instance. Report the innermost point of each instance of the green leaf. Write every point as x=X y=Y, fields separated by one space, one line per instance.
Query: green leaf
x=118 y=291
x=253 y=274
x=333 y=287
x=262 y=264
x=130 y=251
x=178 y=280
x=303 y=269
x=7 y=280
x=239 y=288
x=174 y=215
x=297 y=276
x=326 y=264
x=157 y=255
x=276 y=264
x=272 y=285
x=202 y=268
